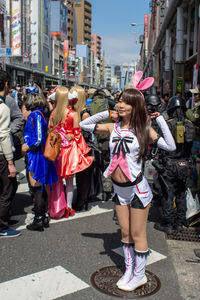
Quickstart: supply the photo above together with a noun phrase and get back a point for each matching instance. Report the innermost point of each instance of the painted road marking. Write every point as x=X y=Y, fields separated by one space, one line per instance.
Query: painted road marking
x=152 y=258
x=23 y=187
x=26 y=219
x=46 y=285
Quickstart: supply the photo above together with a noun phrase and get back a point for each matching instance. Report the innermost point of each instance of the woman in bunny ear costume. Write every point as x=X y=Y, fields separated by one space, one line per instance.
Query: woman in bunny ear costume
x=129 y=139
x=74 y=156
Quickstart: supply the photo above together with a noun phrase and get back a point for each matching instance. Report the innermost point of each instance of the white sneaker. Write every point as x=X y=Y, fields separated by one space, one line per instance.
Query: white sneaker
x=133 y=284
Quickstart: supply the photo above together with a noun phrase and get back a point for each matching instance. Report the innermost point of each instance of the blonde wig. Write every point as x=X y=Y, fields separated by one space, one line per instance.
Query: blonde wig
x=80 y=104
x=61 y=103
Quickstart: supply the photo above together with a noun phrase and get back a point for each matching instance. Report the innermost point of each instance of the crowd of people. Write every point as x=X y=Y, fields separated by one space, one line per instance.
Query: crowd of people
x=135 y=127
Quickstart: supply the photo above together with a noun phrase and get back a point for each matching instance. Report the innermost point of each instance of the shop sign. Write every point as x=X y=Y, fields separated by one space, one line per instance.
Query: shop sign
x=16 y=27
x=5 y=52
x=179 y=84
x=20 y=73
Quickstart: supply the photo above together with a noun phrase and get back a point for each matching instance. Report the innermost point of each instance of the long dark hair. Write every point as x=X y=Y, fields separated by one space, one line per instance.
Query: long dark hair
x=140 y=120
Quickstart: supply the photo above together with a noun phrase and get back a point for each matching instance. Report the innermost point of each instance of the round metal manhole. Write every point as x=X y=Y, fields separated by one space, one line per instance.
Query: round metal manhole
x=104 y=280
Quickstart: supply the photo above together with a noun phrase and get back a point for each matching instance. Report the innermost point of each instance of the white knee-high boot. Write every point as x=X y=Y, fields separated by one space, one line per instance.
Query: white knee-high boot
x=139 y=278
x=128 y=250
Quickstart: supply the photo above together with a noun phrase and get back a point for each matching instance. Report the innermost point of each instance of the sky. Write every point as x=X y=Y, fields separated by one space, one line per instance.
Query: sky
x=111 y=20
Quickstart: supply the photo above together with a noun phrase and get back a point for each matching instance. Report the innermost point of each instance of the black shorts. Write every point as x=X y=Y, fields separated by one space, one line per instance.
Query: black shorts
x=135 y=203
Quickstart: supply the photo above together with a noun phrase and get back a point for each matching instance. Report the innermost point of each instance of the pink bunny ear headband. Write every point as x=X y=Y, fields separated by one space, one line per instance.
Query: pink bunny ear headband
x=145 y=84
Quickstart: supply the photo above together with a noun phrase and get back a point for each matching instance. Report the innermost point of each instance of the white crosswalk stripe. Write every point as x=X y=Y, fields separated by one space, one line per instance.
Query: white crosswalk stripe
x=23 y=187
x=49 y=284
x=26 y=219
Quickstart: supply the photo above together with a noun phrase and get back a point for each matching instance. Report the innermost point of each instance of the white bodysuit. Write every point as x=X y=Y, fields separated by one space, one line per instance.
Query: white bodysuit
x=124 y=150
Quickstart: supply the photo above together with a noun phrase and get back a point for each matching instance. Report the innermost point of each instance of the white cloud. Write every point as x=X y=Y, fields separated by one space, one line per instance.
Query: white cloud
x=121 y=49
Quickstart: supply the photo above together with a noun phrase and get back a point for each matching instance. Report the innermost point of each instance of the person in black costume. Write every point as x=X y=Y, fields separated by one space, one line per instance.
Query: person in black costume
x=154 y=104
x=174 y=168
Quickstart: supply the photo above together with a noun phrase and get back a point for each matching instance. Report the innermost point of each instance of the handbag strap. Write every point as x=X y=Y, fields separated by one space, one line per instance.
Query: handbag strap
x=41 y=115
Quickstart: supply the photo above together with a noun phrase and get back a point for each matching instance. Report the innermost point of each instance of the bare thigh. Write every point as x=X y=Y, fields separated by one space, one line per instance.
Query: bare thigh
x=123 y=215
x=138 y=227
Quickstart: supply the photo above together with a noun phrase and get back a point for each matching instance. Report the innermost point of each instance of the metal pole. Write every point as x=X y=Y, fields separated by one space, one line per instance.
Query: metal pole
x=179 y=35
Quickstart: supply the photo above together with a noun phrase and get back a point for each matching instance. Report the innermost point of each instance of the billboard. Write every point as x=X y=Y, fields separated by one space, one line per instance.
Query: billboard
x=16 y=27
x=34 y=17
x=66 y=49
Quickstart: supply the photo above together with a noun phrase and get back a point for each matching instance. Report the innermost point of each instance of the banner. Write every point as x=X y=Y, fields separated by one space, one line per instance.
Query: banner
x=16 y=27
x=146 y=25
x=66 y=49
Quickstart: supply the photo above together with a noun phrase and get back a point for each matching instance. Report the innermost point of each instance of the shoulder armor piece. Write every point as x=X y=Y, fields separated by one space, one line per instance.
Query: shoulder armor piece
x=170 y=120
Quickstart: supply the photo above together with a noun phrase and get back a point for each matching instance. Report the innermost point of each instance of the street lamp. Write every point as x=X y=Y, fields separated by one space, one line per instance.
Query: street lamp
x=135 y=24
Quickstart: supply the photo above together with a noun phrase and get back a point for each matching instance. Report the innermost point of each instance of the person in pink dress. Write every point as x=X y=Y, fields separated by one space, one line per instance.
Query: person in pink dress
x=73 y=157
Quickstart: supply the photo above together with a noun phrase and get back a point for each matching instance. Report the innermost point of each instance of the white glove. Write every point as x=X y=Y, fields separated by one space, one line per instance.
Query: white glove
x=167 y=143
x=89 y=124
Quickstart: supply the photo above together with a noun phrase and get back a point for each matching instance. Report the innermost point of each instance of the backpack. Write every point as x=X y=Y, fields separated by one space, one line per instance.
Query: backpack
x=99 y=103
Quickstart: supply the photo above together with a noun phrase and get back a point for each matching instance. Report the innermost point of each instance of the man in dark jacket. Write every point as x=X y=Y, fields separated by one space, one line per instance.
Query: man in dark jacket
x=16 y=125
x=8 y=182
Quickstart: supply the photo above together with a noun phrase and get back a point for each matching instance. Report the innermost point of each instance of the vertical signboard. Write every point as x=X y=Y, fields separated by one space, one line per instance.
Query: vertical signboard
x=146 y=25
x=34 y=28
x=71 y=63
x=66 y=46
x=16 y=27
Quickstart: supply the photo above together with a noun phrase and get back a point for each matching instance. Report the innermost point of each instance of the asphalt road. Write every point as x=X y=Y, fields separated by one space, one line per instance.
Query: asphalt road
x=58 y=263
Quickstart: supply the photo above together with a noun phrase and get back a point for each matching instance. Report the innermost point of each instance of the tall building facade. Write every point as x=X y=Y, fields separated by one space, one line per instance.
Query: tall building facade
x=83 y=14
x=71 y=26
x=107 y=75
x=96 y=45
x=96 y=63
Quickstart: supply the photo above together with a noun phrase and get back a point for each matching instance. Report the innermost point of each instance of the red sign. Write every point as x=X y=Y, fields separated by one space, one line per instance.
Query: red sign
x=25 y=54
x=66 y=49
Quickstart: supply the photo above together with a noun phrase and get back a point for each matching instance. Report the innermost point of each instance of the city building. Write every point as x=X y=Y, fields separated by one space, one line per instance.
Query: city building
x=71 y=26
x=96 y=63
x=174 y=45
x=107 y=76
x=83 y=17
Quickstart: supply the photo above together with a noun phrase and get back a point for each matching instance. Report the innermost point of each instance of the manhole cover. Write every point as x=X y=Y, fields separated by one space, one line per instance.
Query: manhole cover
x=105 y=280
x=187 y=234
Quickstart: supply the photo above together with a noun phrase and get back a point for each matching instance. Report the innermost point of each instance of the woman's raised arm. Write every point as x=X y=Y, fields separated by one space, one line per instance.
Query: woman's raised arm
x=90 y=124
x=167 y=141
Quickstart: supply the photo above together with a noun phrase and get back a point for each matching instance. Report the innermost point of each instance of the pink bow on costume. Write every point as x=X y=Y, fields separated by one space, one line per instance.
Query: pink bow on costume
x=145 y=84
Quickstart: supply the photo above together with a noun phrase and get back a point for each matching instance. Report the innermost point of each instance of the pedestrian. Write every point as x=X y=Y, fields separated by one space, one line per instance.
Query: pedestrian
x=174 y=169
x=41 y=171
x=73 y=156
x=129 y=139
x=89 y=181
x=16 y=125
x=8 y=182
